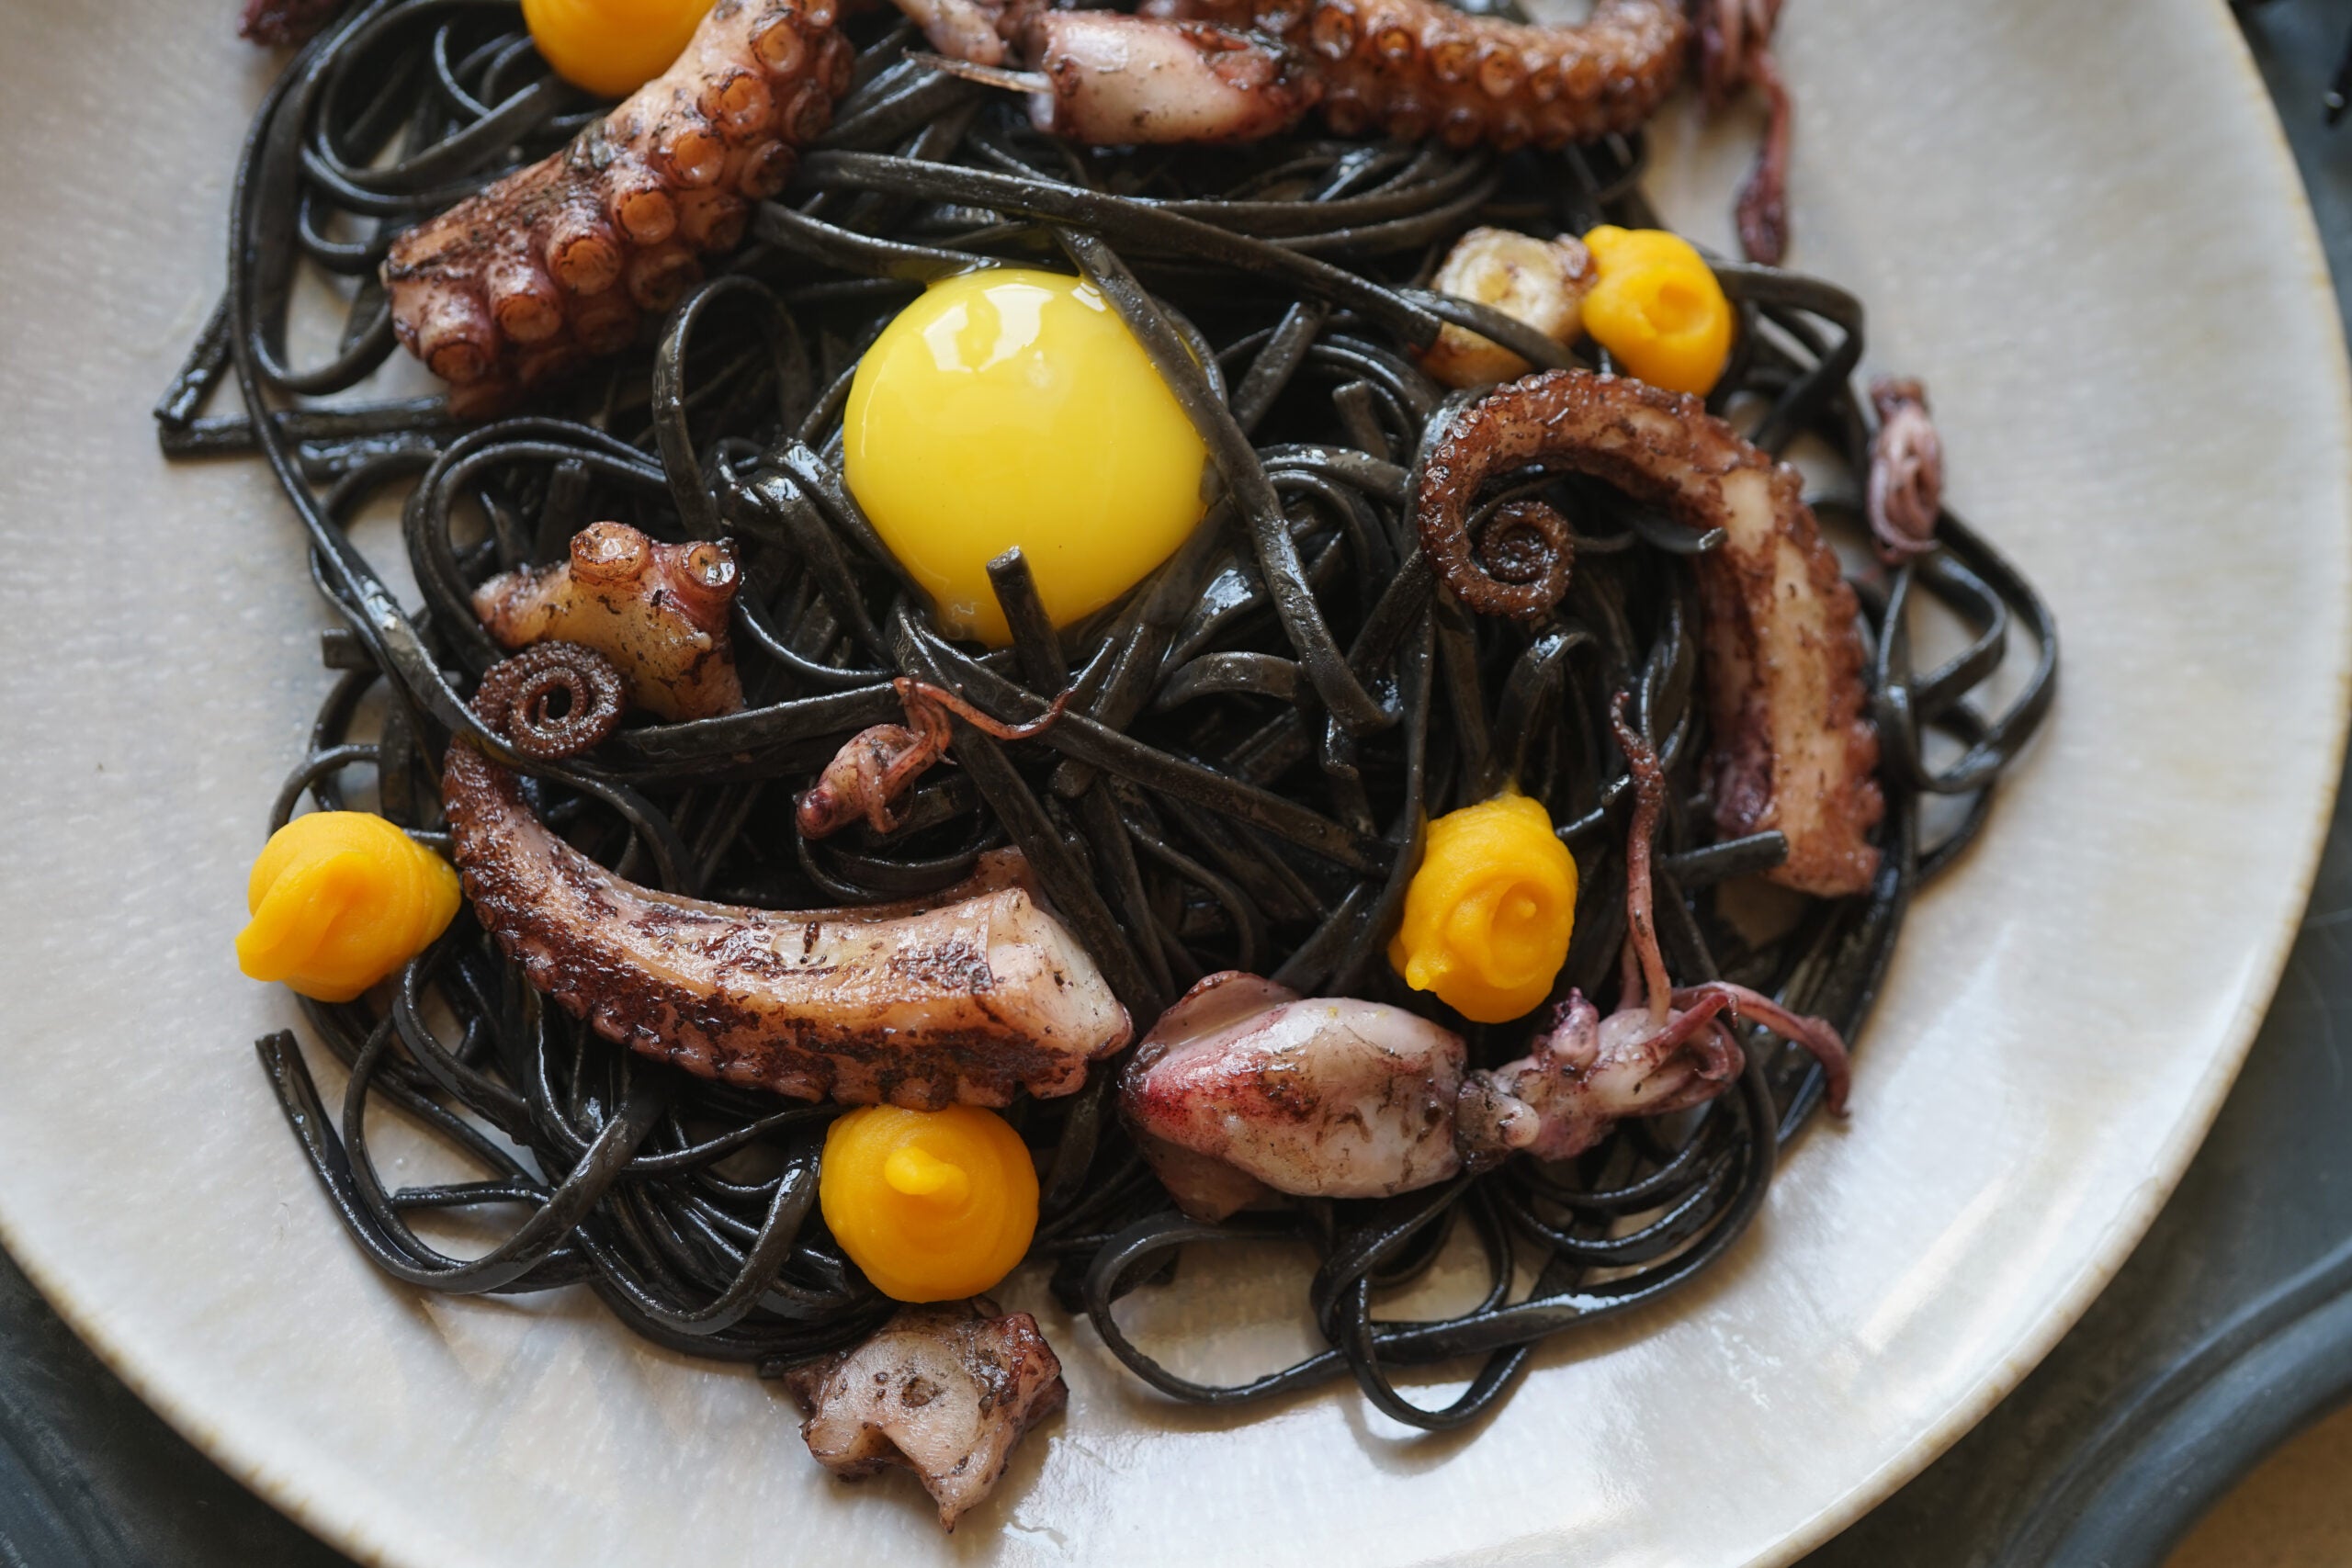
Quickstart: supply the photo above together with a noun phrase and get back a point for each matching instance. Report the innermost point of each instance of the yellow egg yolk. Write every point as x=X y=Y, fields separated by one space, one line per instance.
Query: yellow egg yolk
x=1488 y=915
x=612 y=47
x=340 y=899
x=1011 y=408
x=1657 y=308
x=933 y=1205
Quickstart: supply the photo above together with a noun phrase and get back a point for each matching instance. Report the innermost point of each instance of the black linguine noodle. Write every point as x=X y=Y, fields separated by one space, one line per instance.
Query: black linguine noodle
x=1257 y=736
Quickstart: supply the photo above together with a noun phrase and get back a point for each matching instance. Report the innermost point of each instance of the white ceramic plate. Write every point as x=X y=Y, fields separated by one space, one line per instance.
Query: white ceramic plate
x=2078 y=221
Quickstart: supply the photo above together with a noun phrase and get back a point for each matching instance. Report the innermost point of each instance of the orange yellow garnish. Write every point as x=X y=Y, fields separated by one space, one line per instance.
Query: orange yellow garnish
x=933 y=1205
x=612 y=47
x=340 y=899
x=1013 y=406
x=1488 y=914
x=1657 y=308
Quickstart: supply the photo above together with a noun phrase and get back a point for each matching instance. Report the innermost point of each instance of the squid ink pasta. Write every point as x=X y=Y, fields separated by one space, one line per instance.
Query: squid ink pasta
x=1232 y=767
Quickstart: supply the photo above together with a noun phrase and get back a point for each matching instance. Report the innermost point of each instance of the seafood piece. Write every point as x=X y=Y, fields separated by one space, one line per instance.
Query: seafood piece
x=867 y=776
x=1585 y=1073
x=1540 y=282
x=554 y=263
x=1411 y=68
x=1792 y=750
x=961 y=998
x=945 y=1390
x=279 y=23
x=1906 y=493
x=1664 y=1049
x=658 y=610
x=1243 y=1089
x=1735 y=51
x=1244 y=1086
x=1115 y=80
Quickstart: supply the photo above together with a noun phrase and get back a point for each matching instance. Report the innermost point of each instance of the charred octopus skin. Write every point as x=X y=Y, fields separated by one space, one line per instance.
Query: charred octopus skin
x=555 y=262
x=963 y=998
x=1238 y=69
x=946 y=1391
x=1792 y=750
x=658 y=610
x=1417 y=68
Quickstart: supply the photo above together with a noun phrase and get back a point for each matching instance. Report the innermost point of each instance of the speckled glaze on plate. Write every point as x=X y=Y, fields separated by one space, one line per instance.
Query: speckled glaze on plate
x=2078 y=222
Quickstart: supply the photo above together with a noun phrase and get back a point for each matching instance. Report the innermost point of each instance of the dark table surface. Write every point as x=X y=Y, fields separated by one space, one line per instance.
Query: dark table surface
x=2229 y=1329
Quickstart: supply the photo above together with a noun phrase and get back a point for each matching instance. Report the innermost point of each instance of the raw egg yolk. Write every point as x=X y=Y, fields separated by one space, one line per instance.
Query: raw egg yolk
x=1657 y=308
x=1488 y=915
x=340 y=899
x=933 y=1205
x=1013 y=408
x=612 y=47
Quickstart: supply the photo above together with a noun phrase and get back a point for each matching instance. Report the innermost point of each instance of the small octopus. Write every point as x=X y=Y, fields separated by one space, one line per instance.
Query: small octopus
x=866 y=777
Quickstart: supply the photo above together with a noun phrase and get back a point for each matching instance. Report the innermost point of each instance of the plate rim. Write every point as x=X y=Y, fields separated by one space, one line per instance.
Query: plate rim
x=2130 y=1226
x=351 y=1533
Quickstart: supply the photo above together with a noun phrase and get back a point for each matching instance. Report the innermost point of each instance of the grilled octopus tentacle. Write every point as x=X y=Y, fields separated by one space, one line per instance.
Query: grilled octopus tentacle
x=962 y=998
x=1792 y=749
x=1417 y=68
x=555 y=262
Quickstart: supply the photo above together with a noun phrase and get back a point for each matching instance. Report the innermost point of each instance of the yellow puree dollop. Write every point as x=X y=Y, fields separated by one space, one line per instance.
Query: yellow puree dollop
x=933 y=1205
x=1488 y=914
x=340 y=899
x=1657 y=308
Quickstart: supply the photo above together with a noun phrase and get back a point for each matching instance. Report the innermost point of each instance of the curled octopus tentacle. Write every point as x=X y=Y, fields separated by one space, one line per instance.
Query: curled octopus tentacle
x=1792 y=750
x=966 y=997
x=552 y=700
x=1905 y=494
x=554 y=263
x=658 y=610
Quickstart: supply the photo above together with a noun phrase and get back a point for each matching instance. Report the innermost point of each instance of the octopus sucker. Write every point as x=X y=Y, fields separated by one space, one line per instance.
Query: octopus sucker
x=609 y=218
x=964 y=997
x=1793 y=749
x=945 y=1390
